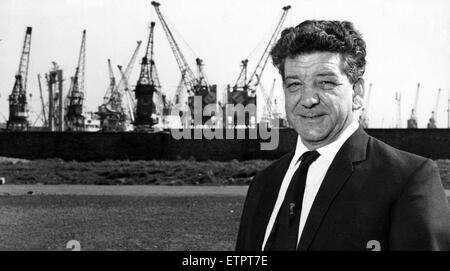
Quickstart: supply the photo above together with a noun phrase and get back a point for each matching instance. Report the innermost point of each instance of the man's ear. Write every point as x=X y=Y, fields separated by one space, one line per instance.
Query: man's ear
x=358 y=94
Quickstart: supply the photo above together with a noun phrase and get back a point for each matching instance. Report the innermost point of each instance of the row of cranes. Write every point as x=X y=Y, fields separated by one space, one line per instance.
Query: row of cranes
x=123 y=111
x=150 y=101
x=140 y=108
x=244 y=90
x=65 y=113
x=412 y=122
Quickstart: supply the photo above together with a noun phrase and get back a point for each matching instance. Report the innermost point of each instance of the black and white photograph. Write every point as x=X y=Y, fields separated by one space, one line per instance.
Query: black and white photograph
x=238 y=126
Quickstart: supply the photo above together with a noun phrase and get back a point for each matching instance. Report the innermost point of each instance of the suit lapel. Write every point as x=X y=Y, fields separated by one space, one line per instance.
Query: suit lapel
x=268 y=198
x=353 y=150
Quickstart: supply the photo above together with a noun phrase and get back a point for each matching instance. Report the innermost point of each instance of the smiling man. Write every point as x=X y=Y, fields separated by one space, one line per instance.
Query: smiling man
x=339 y=189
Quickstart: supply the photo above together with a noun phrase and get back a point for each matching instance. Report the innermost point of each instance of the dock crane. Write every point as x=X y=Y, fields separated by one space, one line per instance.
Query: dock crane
x=432 y=122
x=147 y=84
x=398 y=99
x=74 y=102
x=191 y=84
x=364 y=117
x=412 y=122
x=18 y=105
x=131 y=103
x=244 y=90
x=123 y=85
x=112 y=112
x=112 y=84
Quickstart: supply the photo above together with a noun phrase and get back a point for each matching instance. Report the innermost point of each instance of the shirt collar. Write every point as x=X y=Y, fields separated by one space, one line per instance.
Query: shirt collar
x=329 y=151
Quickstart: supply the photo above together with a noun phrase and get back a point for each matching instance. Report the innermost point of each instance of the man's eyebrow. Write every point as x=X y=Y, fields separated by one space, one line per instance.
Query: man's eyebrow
x=326 y=73
x=291 y=77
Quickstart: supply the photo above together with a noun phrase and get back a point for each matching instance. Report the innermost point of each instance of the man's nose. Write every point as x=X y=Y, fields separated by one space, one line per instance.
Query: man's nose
x=309 y=97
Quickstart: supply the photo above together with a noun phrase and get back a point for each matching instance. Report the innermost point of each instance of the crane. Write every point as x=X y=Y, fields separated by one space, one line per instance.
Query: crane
x=398 y=99
x=364 y=117
x=186 y=72
x=412 y=122
x=123 y=83
x=448 y=109
x=44 y=106
x=112 y=112
x=147 y=85
x=257 y=73
x=74 y=102
x=112 y=83
x=194 y=85
x=267 y=109
x=432 y=122
x=244 y=90
x=131 y=104
x=18 y=105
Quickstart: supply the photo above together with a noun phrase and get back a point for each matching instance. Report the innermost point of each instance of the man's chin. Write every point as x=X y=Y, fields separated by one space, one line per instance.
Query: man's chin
x=312 y=137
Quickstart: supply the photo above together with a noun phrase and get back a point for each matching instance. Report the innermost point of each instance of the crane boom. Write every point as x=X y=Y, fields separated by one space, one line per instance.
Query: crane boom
x=75 y=97
x=128 y=69
x=398 y=99
x=112 y=83
x=257 y=73
x=268 y=98
x=25 y=59
x=131 y=104
x=186 y=72
x=82 y=63
x=416 y=99
x=42 y=101
x=436 y=107
x=18 y=105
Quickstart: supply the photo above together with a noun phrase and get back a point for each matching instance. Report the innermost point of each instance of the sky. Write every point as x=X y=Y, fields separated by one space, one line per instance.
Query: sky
x=408 y=41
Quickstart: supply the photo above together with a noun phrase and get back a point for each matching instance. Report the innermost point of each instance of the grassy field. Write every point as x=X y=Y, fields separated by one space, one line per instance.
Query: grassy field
x=182 y=172
x=35 y=217
x=48 y=222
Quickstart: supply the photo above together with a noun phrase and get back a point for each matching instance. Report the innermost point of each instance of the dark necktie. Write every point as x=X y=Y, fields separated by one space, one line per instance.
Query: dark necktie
x=284 y=233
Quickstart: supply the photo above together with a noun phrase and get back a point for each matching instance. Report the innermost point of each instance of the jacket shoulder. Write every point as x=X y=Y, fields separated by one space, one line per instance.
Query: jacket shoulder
x=398 y=167
x=389 y=157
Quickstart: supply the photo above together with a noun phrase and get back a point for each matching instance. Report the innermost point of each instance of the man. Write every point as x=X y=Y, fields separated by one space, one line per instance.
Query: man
x=340 y=189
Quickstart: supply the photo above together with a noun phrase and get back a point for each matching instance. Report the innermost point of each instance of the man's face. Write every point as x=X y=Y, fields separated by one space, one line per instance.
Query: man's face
x=319 y=97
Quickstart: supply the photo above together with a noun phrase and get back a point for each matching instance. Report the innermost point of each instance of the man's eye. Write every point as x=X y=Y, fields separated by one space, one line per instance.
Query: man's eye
x=293 y=84
x=327 y=84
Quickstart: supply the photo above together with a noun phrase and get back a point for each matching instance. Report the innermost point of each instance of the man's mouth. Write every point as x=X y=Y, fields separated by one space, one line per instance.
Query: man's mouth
x=312 y=117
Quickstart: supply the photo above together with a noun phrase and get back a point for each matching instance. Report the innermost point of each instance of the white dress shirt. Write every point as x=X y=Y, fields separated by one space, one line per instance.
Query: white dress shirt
x=315 y=176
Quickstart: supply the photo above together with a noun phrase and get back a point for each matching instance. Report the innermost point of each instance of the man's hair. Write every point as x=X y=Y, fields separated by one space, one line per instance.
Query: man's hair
x=323 y=36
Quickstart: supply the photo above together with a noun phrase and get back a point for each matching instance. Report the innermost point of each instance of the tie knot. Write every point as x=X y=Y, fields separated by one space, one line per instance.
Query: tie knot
x=308 y=158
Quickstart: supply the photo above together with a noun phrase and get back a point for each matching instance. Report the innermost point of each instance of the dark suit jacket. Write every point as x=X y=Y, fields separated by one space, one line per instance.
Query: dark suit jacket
x=370 y=192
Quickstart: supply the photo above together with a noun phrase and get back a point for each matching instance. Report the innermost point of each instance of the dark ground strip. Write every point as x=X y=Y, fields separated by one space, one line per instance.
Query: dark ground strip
x=119 y=222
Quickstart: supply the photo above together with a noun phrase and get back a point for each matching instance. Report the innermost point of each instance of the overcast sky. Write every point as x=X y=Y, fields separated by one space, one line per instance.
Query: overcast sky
x=408 y=41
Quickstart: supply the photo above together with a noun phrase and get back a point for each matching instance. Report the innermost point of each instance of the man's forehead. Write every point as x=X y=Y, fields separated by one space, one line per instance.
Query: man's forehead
x=321 y=62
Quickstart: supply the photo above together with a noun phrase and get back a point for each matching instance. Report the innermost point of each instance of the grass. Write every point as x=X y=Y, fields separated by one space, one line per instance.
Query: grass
x=119 y=222
x=181 y=172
